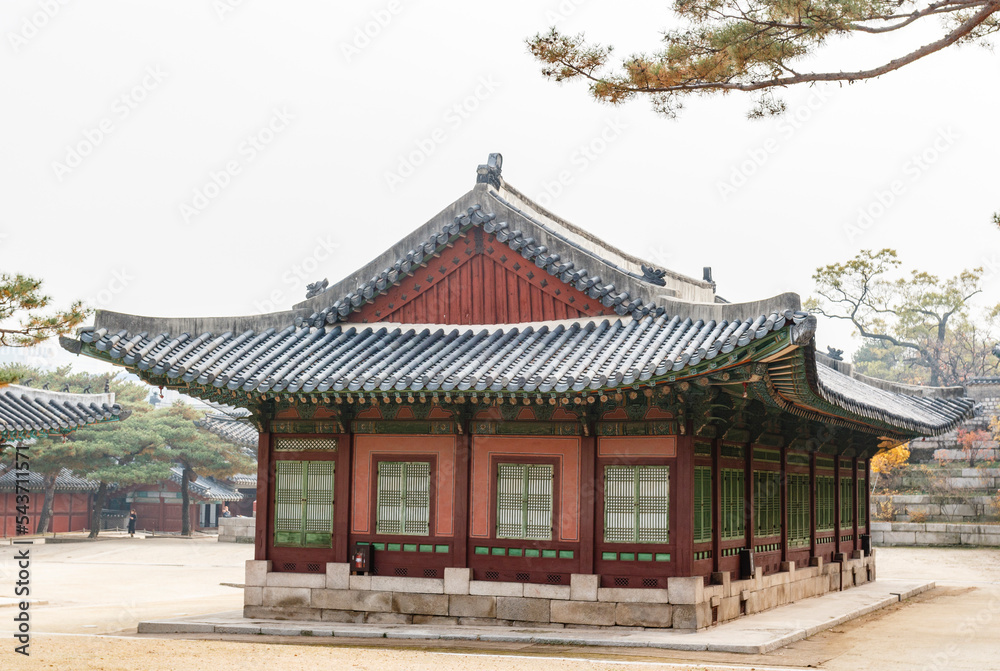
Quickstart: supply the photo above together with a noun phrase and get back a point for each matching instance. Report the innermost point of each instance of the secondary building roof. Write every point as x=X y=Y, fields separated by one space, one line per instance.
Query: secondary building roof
x=27 y=412
x=35 y=482
x=206 y=489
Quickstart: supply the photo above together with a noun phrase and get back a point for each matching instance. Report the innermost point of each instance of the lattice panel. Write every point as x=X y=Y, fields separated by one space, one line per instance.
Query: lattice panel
x=636 y=504
x=766 y=503
x=846 y=502
x=319 y=497
x=305 y=445
x=702 y=504
x=288 y=496
x=824 y=502
x=404 y=497
x=524 y=501
x=798 y=510
x=732 y=502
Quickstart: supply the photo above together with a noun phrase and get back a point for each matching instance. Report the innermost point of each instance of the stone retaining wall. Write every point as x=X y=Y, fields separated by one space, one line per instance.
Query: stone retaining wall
x=686 y=603
x=237 y=529
x=936 y=508
x=935 y=533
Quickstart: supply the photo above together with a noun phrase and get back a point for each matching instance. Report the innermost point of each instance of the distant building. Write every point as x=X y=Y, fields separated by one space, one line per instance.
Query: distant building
x=27 y=413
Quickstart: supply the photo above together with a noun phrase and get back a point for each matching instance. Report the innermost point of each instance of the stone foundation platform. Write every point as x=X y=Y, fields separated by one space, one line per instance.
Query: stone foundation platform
x=686 y=604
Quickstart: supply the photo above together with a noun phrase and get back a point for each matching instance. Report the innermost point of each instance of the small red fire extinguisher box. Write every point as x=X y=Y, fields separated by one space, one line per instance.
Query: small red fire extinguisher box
x=361 y=559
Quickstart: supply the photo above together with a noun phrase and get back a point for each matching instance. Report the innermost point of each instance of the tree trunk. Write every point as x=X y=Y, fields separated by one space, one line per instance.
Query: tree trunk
x=95 y=513
x=47 y=503
x=185 y=503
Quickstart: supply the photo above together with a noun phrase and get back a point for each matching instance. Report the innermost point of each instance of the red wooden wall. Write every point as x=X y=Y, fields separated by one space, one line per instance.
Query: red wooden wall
x=70 y=512
x=479 y=281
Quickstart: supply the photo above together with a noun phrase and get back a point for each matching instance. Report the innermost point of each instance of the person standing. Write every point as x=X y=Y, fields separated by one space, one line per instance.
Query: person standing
x=131 y=523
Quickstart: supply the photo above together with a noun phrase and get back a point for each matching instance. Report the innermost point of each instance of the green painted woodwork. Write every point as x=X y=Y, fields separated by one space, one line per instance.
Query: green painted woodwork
x=524 y=501
x=862 y=501
x=702 y=504
x=303 y=504
x=732 y=504
x=766 y=503
x=846 y=501
x=824 y=503
x=798 y=510
x=636 y=504
x=403 y=498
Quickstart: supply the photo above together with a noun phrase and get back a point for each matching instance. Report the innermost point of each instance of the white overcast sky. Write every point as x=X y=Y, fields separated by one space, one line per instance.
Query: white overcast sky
x=162 y=95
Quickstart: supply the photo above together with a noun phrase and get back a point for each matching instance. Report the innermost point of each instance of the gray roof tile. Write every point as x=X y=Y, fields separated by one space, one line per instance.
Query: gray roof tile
x=25 y=411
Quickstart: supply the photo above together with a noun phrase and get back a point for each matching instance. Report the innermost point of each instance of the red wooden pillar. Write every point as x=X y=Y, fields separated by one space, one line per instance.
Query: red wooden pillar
x=588 y=499
x=264 y=487
x=463 y=495
x=341 y=498
x=683 y=500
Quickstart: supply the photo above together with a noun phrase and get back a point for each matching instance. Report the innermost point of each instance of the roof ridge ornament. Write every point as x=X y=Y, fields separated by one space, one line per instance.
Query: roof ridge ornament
x=316 y=288
x=490 y=173
x=654 y=275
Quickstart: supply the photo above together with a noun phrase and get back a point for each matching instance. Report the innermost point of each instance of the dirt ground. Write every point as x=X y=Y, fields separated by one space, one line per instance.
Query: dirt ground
x=108 y=587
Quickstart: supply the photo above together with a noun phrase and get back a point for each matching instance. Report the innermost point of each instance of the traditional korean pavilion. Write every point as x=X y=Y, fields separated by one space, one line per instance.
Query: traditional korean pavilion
x=503 y=418
x=27 y=413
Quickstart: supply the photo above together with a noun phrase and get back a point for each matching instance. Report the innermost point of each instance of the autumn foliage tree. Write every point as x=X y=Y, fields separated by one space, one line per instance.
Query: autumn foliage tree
x=758 y=47
x=888 y=465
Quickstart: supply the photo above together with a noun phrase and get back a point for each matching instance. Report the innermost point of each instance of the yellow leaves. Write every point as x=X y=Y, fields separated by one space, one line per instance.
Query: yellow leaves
x=890 y=460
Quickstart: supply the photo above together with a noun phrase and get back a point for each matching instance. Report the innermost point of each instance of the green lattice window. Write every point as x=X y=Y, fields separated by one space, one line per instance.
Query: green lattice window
x=524 y=501
x=303 y=504
x=846 y=502
x=636 y=504
x=766 y=503
x=403 y=498
x=798 y=510
x=862 y=500
x=702 y=504
x=824 y=503
x=732 y=500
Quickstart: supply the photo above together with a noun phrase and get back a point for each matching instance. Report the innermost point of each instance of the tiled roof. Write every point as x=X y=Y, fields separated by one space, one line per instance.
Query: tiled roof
x=555 y=356
x=924 y=414
x=236 y=430
x=65 y=482
x=25 y=411
x=207 y=489
x=603 y=290
x=244 y=480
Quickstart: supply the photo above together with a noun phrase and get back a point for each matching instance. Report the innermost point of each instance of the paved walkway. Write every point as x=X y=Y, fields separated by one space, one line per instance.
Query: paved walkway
x=756 y=634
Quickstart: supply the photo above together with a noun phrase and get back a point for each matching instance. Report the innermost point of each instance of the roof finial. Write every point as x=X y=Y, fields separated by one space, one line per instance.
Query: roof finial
x=317 y=288
x=834 y=353
x=490 y=173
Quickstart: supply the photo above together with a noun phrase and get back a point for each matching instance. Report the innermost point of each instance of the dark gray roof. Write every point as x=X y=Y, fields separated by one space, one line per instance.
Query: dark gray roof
x=236 y=430
x=25 y=411
x=553 y=356
x=65 y=482
x=208 y=489
x=920 y=413
x=244 y=480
